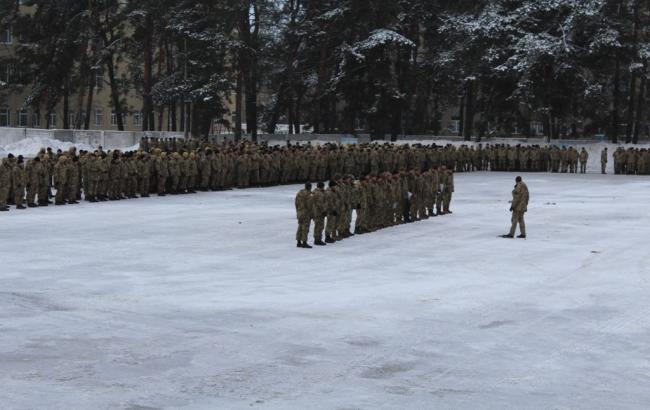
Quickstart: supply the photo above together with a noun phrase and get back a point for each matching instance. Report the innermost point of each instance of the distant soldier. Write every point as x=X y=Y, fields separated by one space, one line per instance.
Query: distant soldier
x=34 y=179
x=584 y=157
x=448 y=192
x=73 y=180
x=304 y=214
x=61 y=180
x=319 y=212
x=333 y=203
x=5 y=179
x=18 y=177
x=603 y=161
x=518 y=208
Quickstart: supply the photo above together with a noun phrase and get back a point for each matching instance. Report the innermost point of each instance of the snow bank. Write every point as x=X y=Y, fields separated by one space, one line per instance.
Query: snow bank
x=29 y=147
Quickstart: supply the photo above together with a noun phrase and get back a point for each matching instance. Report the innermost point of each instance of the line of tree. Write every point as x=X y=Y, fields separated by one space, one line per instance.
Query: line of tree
x=387 y=67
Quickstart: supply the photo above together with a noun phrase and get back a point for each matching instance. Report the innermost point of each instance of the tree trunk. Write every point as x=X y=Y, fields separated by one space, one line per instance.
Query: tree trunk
x=639 y=110
x=615 y=102
x=461 y=115
x=630 y=110
x=66 y=107
x=238 y=105
x=89 y=100
x=147 y=80
x=469 y=111
x=115 y=92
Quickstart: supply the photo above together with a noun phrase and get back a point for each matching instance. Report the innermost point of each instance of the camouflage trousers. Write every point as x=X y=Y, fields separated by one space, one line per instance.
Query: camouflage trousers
x=43 y=192
x=61 y=193
x=362 y=218
x=91 y=188
x=518 y=219
x=19 y=194
x=303 y=229
x=446 y=201
x=32 y=191
x=319 y=226
x=162 y=180
x=603 y=167
x=205 y=180
x=343 y=220
x=330 y=227
x=4 y=191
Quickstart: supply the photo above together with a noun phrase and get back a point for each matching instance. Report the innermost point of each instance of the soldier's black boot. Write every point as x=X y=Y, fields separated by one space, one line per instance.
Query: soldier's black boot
x=319 y=243
x=299 y=245
x=5 y=209
x=306 y=245
x=20 y=206
x=507 y=236
x=522 y=236
x=32 y=205
x=328 y=239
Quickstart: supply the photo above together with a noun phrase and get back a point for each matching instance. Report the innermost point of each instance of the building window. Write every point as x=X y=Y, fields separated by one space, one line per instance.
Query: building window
x=99 y=117
x=114 y=119
x=5 y=117
x=72 y=120
x=536 y=128
x=36 y=119
x=52 y=120
x=22 y=118
x=5 y=36
x=99 y=80
x=137 y=118
x=454 y=125
x=22 y=38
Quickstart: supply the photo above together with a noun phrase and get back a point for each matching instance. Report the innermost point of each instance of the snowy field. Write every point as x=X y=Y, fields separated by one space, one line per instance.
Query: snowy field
x=204 y=302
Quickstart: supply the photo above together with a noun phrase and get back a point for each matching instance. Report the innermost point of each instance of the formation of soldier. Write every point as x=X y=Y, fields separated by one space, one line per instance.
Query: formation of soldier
x=379 y=201
x=176 y=166
x=631 y=161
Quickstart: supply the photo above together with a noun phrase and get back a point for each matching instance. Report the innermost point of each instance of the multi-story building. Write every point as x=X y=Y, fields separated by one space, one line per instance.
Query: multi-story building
x=14 y=112
x=13 y=95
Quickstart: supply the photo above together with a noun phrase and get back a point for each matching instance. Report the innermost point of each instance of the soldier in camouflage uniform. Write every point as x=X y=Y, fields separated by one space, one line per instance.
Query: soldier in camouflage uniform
x=319 y=213
x=304 y=210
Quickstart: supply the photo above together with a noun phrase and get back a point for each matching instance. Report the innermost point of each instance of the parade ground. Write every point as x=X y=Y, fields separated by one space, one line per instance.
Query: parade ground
x=204 y=302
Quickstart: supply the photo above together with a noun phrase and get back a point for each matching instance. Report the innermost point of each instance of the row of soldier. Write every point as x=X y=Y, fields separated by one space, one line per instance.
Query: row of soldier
x=632 y=161
x=379 y=201
x=363 y=159
x=108 y=175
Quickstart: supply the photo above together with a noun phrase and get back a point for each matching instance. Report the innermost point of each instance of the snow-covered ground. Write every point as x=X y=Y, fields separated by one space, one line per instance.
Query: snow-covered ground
x=204 y=302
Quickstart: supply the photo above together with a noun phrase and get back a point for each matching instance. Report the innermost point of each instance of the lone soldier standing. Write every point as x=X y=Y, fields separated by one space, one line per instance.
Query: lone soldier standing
x=303 y=211
x=518 y=208
x=603 y=161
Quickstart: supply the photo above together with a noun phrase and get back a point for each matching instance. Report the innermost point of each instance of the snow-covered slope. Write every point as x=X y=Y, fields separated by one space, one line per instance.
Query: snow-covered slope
x=204 y=302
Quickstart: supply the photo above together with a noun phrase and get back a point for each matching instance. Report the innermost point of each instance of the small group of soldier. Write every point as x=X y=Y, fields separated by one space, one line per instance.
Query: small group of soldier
x=379 y=201
x=512 y=158
x=632 y=161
